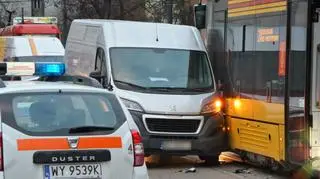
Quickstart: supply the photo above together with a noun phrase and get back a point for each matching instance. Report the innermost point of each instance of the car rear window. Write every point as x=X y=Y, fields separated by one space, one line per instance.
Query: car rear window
x=57 y=113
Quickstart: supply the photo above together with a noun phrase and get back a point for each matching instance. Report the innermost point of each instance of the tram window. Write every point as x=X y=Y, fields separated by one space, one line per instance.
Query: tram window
x=240 y=35
x=270 y=32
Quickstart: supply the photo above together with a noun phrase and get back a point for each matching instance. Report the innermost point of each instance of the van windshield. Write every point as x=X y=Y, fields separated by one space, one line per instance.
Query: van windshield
x=35 y=59
x=161 y=69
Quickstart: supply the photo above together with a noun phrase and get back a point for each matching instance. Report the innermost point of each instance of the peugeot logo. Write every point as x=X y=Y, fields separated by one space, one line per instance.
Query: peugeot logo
x=73 y=142
x=172 y=108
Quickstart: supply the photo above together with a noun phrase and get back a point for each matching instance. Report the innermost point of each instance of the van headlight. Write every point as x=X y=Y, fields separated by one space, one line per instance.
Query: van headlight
x=213 y=106
x=131 y=105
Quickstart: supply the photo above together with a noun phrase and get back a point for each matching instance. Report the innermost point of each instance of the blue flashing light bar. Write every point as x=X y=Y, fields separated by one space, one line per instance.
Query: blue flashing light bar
x=32 y=69
x=49 y=69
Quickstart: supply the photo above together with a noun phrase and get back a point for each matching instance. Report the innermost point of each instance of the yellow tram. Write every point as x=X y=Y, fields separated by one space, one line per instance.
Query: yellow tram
x=266 y=55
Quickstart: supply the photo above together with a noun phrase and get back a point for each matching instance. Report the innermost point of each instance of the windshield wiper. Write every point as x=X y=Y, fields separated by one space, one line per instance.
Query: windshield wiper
x=83 y=129
x=129 y=84
x=199 y=89
x=168 y=88
x=180 y=89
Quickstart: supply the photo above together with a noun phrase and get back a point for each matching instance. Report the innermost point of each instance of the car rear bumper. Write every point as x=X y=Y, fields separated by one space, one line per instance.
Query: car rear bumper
x=140 y=172
x=210 y=141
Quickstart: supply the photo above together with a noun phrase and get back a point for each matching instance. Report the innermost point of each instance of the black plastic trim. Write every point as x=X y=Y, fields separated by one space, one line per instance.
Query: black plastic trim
x=71 y=156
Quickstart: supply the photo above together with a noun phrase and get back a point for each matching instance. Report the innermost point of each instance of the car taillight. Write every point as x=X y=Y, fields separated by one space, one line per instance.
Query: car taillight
x=138 y=149
x=1 y=152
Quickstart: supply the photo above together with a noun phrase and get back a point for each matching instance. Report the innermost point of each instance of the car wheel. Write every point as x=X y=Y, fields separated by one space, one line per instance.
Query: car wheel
x=210 y=160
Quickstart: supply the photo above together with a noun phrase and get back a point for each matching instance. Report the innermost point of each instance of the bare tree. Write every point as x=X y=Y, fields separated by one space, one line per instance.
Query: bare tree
x=8 y=10
x=156 y=10
x=170 y=11
x=98 y=9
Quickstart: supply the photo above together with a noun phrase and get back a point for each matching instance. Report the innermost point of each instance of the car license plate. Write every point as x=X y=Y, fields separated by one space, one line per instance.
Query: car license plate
x=69 y=171
x=176 y=145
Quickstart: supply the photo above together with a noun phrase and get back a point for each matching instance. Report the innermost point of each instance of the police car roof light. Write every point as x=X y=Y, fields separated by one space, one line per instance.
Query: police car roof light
x=32 y=69
x=49 y=69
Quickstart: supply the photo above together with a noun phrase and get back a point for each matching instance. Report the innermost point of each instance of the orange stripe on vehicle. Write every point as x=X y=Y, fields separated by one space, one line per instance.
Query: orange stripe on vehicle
x=62 y=143
x=33 y=47
x=100 y=142
x=258 y=7
x=260 y=11
x=43 y=144
x=252 y=3
x=238 y=1
x=3 y=48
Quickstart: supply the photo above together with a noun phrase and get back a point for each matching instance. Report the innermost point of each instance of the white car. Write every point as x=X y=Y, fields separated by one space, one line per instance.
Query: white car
x=51 y=129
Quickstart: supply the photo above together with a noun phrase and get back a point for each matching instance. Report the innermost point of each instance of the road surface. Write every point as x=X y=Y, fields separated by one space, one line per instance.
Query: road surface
x=174 y=169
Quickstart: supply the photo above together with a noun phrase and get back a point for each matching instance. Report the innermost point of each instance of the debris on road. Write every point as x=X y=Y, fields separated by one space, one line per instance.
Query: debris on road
x=229 y=157
x=189 y=170
x=243 y=170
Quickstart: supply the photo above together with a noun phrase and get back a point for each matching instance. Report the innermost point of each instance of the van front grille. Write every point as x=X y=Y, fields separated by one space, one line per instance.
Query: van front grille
x=173 y=125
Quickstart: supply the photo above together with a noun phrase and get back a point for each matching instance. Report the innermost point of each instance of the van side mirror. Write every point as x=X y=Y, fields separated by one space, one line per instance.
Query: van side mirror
x=96 y=75
x=102 y=79
x=200 y=16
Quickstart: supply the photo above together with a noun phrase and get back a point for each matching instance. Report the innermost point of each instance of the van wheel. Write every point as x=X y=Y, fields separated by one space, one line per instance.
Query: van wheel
x=210 y=160
x=161 y=159
x=164 y=159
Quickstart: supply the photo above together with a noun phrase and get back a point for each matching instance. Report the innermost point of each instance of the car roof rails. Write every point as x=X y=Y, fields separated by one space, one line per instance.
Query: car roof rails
x=79 y=80
x=10 y=78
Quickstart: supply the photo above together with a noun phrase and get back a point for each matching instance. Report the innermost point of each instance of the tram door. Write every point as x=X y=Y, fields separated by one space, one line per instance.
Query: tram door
x=315 y=99
x=297 y=125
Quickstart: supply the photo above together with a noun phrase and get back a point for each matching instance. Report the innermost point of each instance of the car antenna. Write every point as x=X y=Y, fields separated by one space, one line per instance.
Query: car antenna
x=157 y=36
x=22 y=15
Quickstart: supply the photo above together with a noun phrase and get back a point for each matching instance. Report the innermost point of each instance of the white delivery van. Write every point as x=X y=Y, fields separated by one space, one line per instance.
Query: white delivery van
x=162 y=74
x=31 y=49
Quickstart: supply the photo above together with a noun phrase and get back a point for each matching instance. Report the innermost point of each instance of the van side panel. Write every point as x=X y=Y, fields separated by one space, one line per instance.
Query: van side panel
x=81 y=48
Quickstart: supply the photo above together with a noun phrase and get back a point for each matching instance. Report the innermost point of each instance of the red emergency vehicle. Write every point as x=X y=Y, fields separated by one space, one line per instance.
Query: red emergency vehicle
x=44 y=26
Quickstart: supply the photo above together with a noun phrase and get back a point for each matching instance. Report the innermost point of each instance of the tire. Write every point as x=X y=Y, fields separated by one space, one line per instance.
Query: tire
x=165 y=159
x=210 y=160
x=161 y=159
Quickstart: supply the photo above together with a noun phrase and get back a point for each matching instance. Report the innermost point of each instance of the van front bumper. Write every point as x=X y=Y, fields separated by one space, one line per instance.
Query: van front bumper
x=210 y=141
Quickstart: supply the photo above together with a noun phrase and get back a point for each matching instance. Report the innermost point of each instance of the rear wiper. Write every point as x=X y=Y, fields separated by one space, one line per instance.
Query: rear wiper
x=83 y=129
x=129 y=84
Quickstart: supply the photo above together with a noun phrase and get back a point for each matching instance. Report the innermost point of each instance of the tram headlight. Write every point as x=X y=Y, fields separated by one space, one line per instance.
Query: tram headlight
x=237 y=104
